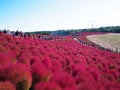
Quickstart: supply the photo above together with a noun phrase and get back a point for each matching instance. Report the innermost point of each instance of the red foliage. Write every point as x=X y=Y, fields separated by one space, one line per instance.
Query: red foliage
x=4 y=59
x=18 y=74
x=58 y=64
x=115 y=86
x=7 y=86
x=47 y=61
x=81 y=78
x=86 y=86
x=40 y=73
x=104 y=84
x=3 y=49
x=47 y=86
x=64 y=80
x=34 y=60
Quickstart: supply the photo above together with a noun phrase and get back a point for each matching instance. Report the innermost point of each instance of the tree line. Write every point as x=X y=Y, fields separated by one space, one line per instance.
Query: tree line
x=108 y=29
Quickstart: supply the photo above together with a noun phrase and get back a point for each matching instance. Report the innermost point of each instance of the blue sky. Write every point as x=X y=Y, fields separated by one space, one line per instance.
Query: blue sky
x=38 y=15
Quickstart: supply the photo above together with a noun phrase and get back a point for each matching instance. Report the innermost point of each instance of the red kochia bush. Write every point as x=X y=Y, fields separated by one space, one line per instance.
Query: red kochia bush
x=40 y=72
x=4 y=58
x=81 y=78
x=56 y=66
x=47 y=61
x=86 y=86
x=35 y=59
x=64 y=80
x=18 y=74
x=7 y=86
x=24 y=60
x=115 y=86
x=47 y=86
x=2 y=48
x=105 y=84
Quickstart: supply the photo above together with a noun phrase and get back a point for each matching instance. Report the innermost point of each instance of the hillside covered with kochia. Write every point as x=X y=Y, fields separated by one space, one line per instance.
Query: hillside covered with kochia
x=57 y=64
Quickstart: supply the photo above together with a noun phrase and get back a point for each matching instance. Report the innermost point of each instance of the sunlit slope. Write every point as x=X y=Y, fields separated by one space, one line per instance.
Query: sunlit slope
x=110 y=40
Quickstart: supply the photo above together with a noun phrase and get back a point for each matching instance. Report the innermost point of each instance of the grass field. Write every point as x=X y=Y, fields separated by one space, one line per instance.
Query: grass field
x=110 y=40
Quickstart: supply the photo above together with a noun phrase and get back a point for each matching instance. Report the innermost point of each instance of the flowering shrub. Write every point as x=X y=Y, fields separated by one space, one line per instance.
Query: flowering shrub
x=40 y=73
x=86 y=86
x=58 y=64
x=64 y=80
x=4 y=58
x=35 y=59
x=24 y=60
x=7 y=86
x=47 y=61
x=17 y=74
x=2 y=49
x=47 y=86
x=115 y=86
x=104 y=84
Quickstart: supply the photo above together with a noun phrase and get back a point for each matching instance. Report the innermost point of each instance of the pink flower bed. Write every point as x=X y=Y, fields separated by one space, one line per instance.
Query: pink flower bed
x=64 y=64
x=6 y=85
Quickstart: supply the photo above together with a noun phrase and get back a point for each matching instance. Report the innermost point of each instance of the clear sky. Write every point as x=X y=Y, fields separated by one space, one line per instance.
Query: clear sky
x=38 y=15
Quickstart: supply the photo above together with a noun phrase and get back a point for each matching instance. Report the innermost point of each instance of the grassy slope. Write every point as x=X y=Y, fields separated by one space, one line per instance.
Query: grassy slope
x=106 y=40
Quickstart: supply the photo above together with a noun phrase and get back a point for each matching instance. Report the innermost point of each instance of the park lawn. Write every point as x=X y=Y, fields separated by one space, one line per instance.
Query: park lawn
x=110 y=40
